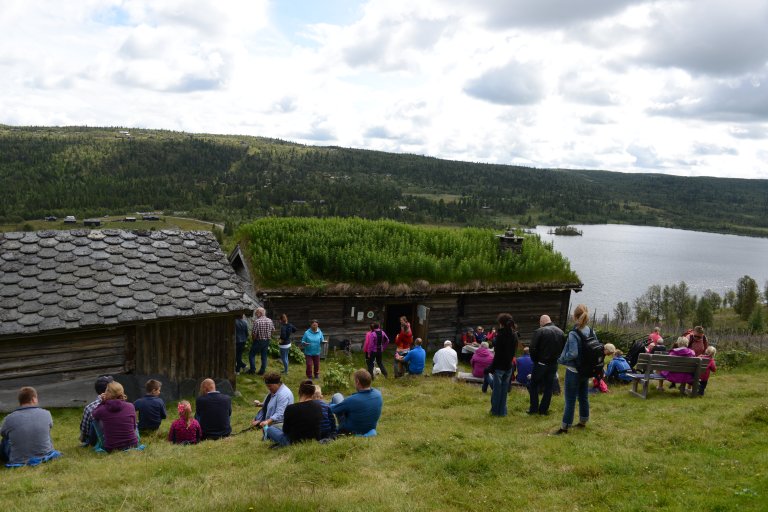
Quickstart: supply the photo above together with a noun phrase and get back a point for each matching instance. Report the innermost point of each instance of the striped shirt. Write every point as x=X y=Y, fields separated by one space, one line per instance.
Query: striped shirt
x=262 y=328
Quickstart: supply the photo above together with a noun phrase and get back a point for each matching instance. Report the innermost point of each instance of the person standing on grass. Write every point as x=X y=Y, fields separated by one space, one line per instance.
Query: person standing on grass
x=375 y=342
x=262 y=332
x=576 y=385
x=286 y=331
x=213 y=410
x=301 y=421
x=311 y=341
x=546 y=345
x=403 y=341
x=711 y=367
x=505 y=347
x=273 y=408
x=697 y=340
x=241 y=337
x=26 y=433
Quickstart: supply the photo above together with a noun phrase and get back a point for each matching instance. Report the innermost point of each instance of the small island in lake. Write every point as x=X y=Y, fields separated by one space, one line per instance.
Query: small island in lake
x=565 y=231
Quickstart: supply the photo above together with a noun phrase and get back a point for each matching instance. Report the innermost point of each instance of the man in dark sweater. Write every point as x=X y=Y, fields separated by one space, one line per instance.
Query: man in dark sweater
x=545 y=348
x=213 y=410
x=301 y=420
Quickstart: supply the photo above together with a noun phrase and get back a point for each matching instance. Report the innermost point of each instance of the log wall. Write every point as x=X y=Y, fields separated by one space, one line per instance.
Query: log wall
x=186 y=349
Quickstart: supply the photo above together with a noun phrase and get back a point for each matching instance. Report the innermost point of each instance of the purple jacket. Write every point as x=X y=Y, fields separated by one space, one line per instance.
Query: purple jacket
x=371 y=340
x=117 y=419
x=481 y=359
x=677 y=377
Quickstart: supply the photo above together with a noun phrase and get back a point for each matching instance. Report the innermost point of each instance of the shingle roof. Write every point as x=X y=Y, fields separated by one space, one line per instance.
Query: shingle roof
x=52 y=280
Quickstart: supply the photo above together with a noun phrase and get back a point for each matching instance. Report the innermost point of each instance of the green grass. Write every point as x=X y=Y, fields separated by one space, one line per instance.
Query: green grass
x=438 y=449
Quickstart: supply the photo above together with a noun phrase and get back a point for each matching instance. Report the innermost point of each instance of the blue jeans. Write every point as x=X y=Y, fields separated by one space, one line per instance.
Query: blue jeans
x=500 y=389
x=575 y=387
x=262 y=347
x=284 y=358
x=542 y=377
x=276 y=435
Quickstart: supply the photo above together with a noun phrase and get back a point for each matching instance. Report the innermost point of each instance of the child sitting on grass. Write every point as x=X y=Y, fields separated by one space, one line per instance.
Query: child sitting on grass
x=186 y=429
x=709 y=353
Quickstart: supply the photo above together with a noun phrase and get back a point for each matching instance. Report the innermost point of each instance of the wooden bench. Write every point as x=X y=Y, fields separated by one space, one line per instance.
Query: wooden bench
x=649 y=365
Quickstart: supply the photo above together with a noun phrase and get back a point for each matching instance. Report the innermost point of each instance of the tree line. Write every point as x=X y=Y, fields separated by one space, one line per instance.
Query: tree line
x=675 y=305
x=95 y=171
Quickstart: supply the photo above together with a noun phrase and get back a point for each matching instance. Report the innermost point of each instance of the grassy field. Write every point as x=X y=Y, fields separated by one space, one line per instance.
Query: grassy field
x=438 y=449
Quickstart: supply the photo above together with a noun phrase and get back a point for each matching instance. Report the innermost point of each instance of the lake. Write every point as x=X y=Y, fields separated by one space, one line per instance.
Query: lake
x=619 y=262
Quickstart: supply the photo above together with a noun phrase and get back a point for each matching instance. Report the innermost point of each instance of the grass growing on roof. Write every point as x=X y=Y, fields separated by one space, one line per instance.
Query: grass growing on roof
x=310 y=251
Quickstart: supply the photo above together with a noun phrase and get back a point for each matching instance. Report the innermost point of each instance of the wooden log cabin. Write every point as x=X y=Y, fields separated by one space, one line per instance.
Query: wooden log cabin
x=133 y=304
x=436 y=311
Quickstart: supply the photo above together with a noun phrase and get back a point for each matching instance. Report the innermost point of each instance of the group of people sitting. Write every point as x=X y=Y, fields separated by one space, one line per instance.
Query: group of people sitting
x=112 y=423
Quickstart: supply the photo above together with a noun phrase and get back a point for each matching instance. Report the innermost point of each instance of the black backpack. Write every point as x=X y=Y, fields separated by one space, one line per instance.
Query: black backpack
x=637 y=348
x=591 y=355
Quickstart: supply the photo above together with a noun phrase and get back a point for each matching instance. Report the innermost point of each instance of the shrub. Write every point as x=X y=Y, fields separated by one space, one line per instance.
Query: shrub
x=295 y=355
x=336 y=377
x=733 y=358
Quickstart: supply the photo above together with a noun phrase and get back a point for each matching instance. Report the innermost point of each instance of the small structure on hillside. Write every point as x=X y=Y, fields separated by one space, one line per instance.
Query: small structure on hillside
x=92 y=223
x=81 y=303
x=436 y=310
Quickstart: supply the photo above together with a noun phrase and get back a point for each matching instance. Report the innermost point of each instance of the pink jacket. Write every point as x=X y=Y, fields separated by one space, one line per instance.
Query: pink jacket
x=711 y=367
x=370 y=341
x=481 y=360
x=679 y=377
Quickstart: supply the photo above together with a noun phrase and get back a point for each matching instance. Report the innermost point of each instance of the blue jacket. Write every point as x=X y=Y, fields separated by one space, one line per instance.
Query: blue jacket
x=241 y=331
x=416 y=359
x=570 y=354
x=524 y=368
x=620 y=366
x=311 y=341
x=151 y=411
x=359 y=413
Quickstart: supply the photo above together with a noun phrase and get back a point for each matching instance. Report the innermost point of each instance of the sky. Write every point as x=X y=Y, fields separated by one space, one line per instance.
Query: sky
x=663 y=86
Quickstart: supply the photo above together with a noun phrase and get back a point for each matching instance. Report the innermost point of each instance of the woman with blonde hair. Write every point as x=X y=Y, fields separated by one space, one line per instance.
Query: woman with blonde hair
x=576 y=385
x=186 y=429
x=116 y=420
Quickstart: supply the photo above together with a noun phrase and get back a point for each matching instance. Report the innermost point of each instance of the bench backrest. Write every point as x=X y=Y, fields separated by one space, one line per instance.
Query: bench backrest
x=651 y=363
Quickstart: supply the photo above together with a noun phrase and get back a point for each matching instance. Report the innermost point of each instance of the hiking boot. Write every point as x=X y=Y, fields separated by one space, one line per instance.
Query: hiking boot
x=559 y=432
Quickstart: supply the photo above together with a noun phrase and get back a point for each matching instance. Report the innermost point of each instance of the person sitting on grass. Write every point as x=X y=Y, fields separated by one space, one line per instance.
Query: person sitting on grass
x=87 y=432
x=212 y=410
x=274 y=405
x=116 y=420
x=328 y=424
x=709 y=353
x=186 y=429
x=415 y=359
x=618 y=368
x=359 y=413
x=301 y=421
x=26 y=433
x=445 y=362
x=151 y=408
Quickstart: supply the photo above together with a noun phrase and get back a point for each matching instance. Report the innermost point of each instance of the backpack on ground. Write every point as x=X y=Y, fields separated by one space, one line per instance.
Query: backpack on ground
x=637 y=348
x=591 y=355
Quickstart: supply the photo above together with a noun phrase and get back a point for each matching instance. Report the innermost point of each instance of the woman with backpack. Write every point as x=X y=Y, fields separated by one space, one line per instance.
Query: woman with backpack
x=576 y=381
x=375 y=342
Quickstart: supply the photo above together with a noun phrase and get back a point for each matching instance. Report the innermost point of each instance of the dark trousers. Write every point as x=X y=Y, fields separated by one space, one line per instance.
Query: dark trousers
x=239 y=349
x=702 y=386
x=375 y=356
x=542 y=378
x=261 y=347
x=5 y=450
x=313 y=362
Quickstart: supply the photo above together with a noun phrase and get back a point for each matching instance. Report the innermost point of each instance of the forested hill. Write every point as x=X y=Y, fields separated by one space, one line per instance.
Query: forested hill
x=95 y=171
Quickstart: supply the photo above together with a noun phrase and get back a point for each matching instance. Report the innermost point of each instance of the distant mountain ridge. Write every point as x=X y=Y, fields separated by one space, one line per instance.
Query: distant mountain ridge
x=94 y=171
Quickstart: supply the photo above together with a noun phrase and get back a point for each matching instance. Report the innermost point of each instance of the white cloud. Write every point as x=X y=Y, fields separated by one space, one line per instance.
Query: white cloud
x=614 y=84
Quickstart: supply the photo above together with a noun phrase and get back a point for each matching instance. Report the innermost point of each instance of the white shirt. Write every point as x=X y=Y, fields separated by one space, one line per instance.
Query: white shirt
x=445 y=360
